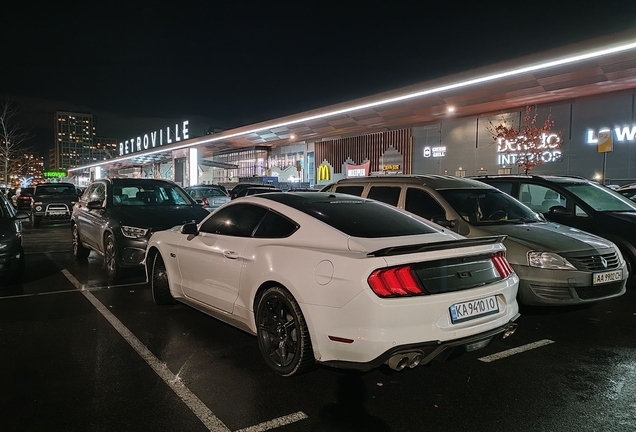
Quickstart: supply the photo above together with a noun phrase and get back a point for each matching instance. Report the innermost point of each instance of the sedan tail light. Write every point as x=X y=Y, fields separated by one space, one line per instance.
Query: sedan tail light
x=206 y=202
x=395 y=282
x=501 y=264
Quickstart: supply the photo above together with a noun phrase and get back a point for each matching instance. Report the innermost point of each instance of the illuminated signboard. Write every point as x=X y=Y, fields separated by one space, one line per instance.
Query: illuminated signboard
x=435 y=152
x=49 y=174
x=392 y=167
x=357 y=170
x=509 y=152
x=324 y=172
x=155 y=139
x=621 y=134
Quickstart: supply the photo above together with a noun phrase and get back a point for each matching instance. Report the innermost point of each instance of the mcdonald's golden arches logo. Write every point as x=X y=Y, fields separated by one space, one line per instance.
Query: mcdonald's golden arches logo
x=324 y=173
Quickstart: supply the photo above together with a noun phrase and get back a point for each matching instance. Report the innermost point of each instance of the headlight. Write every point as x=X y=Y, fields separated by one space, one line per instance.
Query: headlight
x=133 y=232
x=5 y=244
x=549 y=260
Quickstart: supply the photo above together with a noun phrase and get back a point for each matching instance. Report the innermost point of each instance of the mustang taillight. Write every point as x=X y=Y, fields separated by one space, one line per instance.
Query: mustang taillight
x=395 y=281
x=501 y=264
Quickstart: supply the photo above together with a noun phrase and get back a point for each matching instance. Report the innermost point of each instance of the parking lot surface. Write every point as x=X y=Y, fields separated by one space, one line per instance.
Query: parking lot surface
x=81 y=353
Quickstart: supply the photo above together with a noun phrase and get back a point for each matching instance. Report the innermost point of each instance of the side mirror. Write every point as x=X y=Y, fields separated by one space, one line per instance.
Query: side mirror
x=560 y=210
x=190 y=228
x=94 y=205
x=442 y=221
x=461 y=227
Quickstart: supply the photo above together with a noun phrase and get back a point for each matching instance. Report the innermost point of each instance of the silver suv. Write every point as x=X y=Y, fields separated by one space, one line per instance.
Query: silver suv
x=557 y=265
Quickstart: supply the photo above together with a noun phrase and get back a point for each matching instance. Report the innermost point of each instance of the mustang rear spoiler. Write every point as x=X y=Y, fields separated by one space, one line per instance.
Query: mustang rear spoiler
x=426 y=247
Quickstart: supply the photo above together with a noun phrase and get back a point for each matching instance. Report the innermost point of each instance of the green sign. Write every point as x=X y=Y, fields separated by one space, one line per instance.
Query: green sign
x=54 y=173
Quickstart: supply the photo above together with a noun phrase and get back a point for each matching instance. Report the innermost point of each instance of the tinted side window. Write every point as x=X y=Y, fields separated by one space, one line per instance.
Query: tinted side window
x=236 y=220
x=503 y=186
x=386 y=194
x=424 y=205
x=351 y=190
x=540 y=198
x=274 y=225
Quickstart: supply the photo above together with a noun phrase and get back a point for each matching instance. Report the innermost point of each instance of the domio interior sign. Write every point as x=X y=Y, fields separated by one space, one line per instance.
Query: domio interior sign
x=155 y=139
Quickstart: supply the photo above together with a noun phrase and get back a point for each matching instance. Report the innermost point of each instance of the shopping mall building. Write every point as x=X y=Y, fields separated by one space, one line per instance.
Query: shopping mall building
x=443 y=126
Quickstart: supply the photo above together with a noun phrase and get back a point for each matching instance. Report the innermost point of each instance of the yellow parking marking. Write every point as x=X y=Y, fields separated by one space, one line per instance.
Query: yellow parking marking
x=513 y=351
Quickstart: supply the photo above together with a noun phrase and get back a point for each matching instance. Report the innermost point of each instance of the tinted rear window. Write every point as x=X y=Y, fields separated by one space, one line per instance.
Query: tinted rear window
x=365 y=218
x=55 y=190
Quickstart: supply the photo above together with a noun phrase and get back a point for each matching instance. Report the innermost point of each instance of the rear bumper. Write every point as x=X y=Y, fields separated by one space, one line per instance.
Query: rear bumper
x=434 y=350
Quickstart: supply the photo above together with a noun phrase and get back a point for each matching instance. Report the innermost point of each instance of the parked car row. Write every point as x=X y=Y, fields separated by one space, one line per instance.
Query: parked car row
x=579 y=203
x=312 y=275
x=395 y=270
x=557 y=264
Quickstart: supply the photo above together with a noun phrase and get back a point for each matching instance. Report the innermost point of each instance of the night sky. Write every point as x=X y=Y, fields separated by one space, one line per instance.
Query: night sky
x=235 y=63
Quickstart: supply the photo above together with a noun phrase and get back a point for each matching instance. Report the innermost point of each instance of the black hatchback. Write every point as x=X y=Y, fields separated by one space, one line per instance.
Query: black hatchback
x=116 y=217
x=579 y=203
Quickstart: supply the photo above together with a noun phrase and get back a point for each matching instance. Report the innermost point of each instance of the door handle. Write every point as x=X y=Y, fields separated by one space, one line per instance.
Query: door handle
x=230 y=254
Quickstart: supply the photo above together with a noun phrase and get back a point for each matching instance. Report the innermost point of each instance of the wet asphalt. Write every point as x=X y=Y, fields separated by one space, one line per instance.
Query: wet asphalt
x=81 y=353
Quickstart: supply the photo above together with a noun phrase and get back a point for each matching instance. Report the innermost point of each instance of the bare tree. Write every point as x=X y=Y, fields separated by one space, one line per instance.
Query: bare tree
x=529 y=141
x=12 y=137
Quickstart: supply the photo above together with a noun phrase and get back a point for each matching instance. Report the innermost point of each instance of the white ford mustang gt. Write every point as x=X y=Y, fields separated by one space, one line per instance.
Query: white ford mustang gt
x=338 y=280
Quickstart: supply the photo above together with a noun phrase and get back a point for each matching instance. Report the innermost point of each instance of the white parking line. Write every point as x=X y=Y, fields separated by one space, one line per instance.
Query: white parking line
x=517 y=350
x=272 y=424
x=204 y=414
x=190 y=399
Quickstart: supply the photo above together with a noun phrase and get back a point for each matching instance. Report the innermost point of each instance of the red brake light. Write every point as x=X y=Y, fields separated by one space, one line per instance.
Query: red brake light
x=205 y=201
x=394 y=281
x=501 y=264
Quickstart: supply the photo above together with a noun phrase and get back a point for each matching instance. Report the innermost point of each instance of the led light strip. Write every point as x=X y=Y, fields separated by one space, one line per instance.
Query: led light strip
x=466 y=83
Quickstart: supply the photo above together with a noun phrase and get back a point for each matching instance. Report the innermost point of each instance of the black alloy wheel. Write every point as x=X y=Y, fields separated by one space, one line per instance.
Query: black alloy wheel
x=159 y=282
x=111 y=257
x=282 y=333
x=79 y=251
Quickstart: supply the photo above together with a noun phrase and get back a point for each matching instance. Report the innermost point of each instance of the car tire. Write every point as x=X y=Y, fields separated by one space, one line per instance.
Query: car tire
x=35 y=220
x=159 y=284
x=283 y=337
x=15 y=277
x=111 y=257
x=79 y=250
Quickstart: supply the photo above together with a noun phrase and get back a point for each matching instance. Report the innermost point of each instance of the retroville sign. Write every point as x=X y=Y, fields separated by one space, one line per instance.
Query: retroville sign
x=155 y=139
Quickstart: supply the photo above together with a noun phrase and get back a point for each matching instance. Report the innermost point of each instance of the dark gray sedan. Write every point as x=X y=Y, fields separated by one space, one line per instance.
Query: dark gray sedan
x=116 y=217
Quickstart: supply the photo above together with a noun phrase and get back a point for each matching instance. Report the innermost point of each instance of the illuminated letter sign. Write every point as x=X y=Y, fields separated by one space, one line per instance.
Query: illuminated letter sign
x=357 y=170
x=510 y=152
x=324 y=173
x=140 y=143
x=436 y=152
x=61 y=173
x=621 y=134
